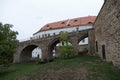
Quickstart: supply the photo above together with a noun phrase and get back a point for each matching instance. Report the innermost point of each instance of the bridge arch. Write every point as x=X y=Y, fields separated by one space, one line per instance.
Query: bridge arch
x=26 y=52
x=82 y=37
x=53 y=47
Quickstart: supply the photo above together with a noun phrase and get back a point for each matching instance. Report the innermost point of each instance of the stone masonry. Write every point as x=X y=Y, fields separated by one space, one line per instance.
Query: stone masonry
x=48 y=43
x=107 y=32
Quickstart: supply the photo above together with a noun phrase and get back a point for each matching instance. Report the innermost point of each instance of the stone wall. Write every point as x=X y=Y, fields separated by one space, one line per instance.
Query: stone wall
x=91 y=42
x=83 y=47
x=107 y=32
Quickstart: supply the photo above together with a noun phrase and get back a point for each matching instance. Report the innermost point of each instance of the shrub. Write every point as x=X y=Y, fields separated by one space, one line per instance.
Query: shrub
x=66 y=50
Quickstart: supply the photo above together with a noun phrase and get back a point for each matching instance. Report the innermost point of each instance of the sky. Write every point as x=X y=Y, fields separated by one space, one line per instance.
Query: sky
x=28 y=16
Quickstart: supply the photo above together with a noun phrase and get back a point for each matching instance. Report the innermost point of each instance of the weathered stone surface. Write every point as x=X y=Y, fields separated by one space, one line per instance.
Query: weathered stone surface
x=47 y=44
x=107 y=31
x=91 y=45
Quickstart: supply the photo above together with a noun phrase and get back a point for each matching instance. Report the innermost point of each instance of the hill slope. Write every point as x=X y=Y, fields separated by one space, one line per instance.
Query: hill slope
x=78 y=68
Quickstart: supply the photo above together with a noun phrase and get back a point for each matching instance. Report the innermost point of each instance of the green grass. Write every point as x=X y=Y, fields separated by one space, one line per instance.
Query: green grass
x=18 y=70
x=80 y=67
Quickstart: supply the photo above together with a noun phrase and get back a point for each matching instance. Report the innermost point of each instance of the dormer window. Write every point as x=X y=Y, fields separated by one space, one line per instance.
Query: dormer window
x=68 y=24
x=75 y=20
x=50 y=28
x=90 y=22
x=63 y=23
x=48 y=25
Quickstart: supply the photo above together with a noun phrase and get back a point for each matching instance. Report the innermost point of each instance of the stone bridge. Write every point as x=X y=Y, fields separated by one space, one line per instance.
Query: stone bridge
x=47 y=44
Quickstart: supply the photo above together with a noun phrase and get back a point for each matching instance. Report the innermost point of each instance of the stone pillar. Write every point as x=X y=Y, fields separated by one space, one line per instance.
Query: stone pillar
x=39 y=36
x=45 y=35
x=53 y=34
x=45 y=52
x=42 y=36
x=16 y=56
x=44 y=55
x=48 y=35
x=76 y=48
x=91 y=42
x=75 y=44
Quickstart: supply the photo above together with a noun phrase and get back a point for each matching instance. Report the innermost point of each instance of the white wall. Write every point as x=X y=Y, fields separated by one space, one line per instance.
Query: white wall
x=57 y=31
x=36 y=51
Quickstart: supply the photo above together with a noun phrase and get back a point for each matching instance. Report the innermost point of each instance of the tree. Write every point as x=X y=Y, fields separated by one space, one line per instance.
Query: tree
x=66 y=49
x=8 y=42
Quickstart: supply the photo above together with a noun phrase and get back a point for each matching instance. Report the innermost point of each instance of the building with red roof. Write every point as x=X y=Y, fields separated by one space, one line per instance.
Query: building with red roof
x=81 y=21
x=69 y=25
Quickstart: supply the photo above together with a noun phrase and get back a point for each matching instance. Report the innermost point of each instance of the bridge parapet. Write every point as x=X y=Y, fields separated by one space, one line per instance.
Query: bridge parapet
x=73 y=33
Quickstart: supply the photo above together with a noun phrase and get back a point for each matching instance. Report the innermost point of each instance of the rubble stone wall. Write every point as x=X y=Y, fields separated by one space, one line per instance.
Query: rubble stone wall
x=107 y=31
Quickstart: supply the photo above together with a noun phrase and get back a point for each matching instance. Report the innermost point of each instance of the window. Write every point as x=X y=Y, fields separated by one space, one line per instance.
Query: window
x=68 y=24
x=48 y=25
x=83 y=40
x=96 y=46
x=90 y=22
x=50 y=28
x=75 y=20
x=103 y=52
x=77 y=28
x=63 y=23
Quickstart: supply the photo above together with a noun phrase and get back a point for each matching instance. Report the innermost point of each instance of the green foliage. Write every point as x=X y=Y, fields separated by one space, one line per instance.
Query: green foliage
x=63 y=39
x=7 y=42
x=38 y=60
x=66 y=50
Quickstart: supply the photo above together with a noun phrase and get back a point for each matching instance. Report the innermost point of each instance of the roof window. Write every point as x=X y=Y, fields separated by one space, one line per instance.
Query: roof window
x=68 y=25
x=48 y=25
x=90 y=22
x=50 y=28
x=62 y=22
x=75 y=20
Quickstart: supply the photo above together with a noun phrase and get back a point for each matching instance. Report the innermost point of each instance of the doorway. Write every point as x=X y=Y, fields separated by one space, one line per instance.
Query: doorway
x=103 y=52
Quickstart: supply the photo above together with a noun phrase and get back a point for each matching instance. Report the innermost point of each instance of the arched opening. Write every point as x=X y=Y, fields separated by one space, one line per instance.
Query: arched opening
x=83 y=41
x=27 y=53
x=54 y=48
x=83 y=44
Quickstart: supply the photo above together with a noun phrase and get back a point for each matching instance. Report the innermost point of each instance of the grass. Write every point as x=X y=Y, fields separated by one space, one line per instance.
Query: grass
x=78 y=68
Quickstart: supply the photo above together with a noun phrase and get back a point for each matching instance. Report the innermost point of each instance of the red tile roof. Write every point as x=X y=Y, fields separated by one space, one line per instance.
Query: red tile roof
x=69 y=23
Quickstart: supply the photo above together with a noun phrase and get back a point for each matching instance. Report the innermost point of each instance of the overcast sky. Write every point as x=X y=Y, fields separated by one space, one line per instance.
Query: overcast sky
x=28 y=16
